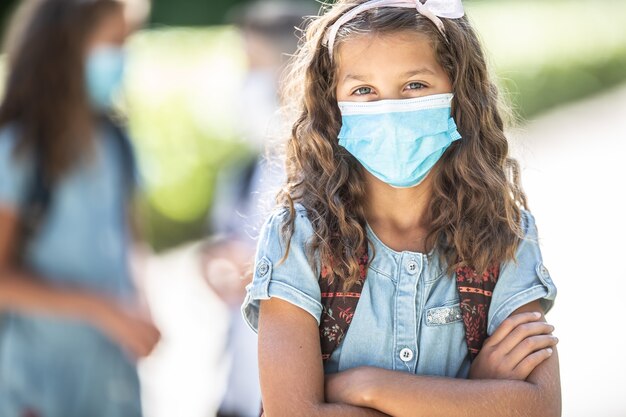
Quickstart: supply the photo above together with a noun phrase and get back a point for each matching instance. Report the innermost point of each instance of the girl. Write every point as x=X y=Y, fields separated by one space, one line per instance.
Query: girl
x=69 y=328
x=400 y=189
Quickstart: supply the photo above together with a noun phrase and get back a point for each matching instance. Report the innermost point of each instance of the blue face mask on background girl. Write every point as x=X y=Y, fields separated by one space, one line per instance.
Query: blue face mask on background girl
x=398 y=141
x=104 y=73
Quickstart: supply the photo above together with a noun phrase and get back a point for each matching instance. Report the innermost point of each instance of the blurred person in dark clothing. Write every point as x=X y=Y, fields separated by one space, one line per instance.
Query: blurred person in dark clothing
x=247 y=188
x=71 y=326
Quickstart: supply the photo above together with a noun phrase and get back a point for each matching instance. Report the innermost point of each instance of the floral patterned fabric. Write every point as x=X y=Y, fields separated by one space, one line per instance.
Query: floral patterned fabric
x=475 y=294
x=338 y=307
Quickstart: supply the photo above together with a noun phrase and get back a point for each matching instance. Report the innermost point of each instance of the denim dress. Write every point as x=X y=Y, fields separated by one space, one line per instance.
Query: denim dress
x=408 y=317
x=60 y=367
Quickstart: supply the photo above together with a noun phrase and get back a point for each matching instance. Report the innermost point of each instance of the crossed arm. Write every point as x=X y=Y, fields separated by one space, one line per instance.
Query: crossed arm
x=514 y=375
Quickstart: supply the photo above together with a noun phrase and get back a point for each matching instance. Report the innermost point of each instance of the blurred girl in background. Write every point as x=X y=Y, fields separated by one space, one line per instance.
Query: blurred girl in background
x=245 y=189
x=70 y=323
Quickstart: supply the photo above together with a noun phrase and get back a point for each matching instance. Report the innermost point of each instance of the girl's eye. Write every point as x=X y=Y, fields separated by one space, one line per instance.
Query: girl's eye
x=362 y=91
x=415 y=86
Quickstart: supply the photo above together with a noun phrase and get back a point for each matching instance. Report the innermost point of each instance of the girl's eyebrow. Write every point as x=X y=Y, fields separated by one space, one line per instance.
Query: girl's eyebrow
x=418 y=71
x=357 y=77
x=408 y=74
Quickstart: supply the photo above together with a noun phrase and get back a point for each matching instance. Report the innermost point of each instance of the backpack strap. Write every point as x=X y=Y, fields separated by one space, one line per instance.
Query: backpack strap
x=35 y=206
x=338 y=306
x=475 y=294
x=126 y=153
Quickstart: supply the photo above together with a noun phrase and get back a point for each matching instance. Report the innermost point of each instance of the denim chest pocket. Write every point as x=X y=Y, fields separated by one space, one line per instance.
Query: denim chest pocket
x=449 y=313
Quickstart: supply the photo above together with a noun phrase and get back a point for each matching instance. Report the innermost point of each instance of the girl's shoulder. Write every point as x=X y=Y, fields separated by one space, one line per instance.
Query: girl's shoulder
x=8 y=139
x=528 y=225
x=278 y=219
x=9 y=143
x=282 y=213
x=523 y=279
x=284 y=270
x=15 y=170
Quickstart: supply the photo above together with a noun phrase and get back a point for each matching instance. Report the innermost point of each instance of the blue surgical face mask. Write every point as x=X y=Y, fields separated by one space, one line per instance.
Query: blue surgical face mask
x=398 y=141
x=104 y=75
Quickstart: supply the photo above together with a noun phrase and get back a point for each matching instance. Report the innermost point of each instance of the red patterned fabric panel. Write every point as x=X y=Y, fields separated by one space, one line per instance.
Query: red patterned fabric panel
x=475 y=294
x=338 y=307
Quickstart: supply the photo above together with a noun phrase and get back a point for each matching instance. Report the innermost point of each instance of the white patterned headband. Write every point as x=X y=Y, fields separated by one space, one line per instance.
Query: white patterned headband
x=431 y=9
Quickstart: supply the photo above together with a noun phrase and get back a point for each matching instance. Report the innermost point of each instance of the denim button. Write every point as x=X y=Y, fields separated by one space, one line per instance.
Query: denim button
x=406 y=354
x=544 y=276
x=262 y=269
x=411 y=267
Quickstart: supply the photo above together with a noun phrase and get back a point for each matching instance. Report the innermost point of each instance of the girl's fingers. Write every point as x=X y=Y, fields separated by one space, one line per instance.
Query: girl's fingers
x=141 y=348
x=521 y=333
x=509 y=324
x=533 y=360
x=138 y=336
x=147 y=338
x=530 y=345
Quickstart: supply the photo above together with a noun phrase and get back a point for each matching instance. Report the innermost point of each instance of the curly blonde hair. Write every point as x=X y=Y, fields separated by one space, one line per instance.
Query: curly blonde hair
x=475 y=209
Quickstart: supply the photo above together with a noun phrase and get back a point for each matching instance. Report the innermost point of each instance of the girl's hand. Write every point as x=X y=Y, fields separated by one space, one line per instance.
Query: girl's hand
x=348 y=387
x=515 y=349
x=132 y=331
x=226 y=268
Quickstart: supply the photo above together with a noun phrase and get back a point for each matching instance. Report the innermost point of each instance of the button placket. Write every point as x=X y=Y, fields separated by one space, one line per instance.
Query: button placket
x=411 y=266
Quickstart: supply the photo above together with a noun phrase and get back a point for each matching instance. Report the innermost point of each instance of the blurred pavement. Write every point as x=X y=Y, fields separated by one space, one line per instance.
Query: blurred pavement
x=185 y=376
x=574 y=174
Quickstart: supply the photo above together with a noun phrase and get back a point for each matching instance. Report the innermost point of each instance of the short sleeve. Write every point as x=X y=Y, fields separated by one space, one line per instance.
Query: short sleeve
x=522 y=280
x=294 y=279
x=14 y=171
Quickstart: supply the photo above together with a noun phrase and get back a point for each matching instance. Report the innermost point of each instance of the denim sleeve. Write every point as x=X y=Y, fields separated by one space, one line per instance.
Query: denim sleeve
x=293 y=279
x=14 y=172
x=522 y=280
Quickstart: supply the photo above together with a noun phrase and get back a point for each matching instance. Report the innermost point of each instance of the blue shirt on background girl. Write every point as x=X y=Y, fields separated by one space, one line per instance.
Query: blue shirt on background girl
x=83 y=243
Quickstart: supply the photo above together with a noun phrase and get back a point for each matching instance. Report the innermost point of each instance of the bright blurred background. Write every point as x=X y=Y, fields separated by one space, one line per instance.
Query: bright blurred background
x=562 y=65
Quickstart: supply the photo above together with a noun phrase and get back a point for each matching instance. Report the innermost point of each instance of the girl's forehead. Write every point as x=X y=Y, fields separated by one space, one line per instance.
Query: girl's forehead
x=371 y=54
